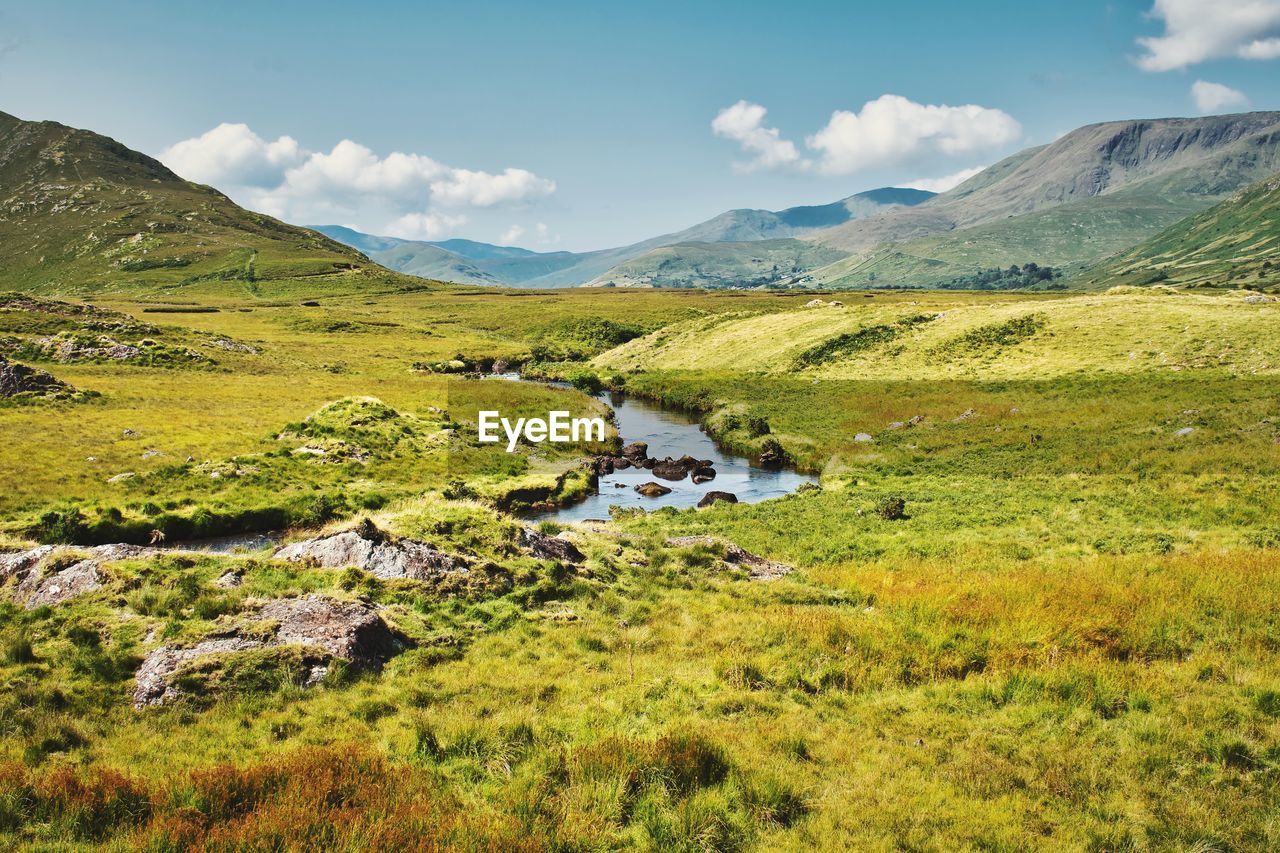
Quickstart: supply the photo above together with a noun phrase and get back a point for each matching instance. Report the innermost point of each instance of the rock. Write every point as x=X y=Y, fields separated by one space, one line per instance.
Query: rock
x=896 y=425
x=646 y=463
x=234 y=346
x=377 y=553
x=967 y=414
x=713 y=496
x=636 y=450
x=151 y=454
x=40 y=590
x=120 y=478
x=1256 y=298
x=347 y=630
x=652 y=490
x=549 y=547
x=230 y=580
x=18 y=564
x=602 y=465
x=863 y=438
x=758 y=568
x=18 y=379
x=915 y=420
x=670 y=469
x=893 y=509
x=703 y=474
x=1185 y=431
x=621 y=463
x=129 y=433
x=771 y=453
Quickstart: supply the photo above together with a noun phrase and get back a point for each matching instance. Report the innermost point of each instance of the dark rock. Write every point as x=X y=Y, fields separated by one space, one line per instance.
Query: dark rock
x=652 y=490
x=669 y=469
x=646 y=463
x=636 y=450
x=703 y=474
x=602 y=465
x=621 y=463
x=549 y=547
x=711 y=497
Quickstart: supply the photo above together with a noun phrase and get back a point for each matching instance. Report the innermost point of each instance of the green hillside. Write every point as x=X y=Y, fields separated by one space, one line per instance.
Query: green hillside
x=763 y=262
x=1233 y=244
x=83 y=214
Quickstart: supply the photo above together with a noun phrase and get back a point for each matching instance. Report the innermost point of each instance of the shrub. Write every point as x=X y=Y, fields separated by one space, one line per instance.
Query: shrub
x=892 y=509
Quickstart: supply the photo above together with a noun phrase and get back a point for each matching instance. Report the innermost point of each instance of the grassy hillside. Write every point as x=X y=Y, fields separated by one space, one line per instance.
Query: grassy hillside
x=715 y=265
x=1234 y=244
x=82 y=214
x=938 y=337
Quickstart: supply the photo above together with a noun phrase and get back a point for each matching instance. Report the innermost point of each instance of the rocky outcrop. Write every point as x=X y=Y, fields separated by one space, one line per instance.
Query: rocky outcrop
x=713 y=496
x=50 y=575
x=549 y=547
x=678 y=469
x=377 y=553
x=734 y=556
x=345 y=630
x=18 y=379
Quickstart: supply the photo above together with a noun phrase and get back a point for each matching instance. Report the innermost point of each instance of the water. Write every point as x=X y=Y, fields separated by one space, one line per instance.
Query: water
x=672 y=433
x=235 y=543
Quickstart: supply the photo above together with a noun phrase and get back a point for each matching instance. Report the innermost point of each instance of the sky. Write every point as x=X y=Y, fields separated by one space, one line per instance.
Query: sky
x=578 y=126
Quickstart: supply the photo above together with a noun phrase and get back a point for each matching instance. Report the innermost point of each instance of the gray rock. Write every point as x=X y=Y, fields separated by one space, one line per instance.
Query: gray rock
x=1185 y=431
x=375 y=552
x=40 y=590
x=864 y=438
x=18 y=379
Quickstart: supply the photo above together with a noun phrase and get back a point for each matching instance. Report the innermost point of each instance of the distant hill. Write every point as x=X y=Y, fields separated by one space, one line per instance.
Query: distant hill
x=1235 y=243
x=1094 y=192
x=81 y=214
x=482 y=263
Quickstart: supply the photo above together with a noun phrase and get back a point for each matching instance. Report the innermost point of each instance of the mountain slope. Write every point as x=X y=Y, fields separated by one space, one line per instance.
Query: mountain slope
x=80 y=213
x=1093 y=192
x=482 y=263
x=1234 y=243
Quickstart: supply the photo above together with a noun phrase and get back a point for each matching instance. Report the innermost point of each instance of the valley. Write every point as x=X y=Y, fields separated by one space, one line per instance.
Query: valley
x=1015 y=586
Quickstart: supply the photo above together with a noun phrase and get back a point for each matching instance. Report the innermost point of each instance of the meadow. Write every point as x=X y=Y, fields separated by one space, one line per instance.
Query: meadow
x=1033 y=605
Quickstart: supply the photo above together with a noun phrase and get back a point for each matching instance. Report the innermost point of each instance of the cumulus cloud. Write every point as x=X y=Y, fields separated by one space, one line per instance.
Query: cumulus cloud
x=888 y=131
x=892 y=129
x=744 y=124
x=232 y=154
x=1215 y=97
x=419 y=196
x=1199 y=30
x=946 y=182
x=512 y=234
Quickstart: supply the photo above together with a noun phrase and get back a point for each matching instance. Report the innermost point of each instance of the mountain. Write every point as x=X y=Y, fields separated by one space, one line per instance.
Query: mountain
x=1234 y=243
x=80 y=213
x=482 y=263
x=1094 y=192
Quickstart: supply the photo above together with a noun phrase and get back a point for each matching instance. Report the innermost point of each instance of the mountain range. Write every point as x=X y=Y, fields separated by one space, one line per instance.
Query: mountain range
x=1183 y=200
x=470 y=262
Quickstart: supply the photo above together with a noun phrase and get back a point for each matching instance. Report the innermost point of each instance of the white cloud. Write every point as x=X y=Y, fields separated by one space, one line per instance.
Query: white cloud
x=424 y=226
x=232 y=154
x=512 y=234
x=1215 y=97
x=350 y=182
x=463 y=187
x=1198 y=30
x=543 y=235
x=892 y=129
x=946 y=182
x=744 y=124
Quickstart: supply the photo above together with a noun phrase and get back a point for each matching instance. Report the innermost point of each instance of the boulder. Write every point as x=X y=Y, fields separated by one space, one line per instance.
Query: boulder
x=621 y=463
x=703 y=474
x=864 y=438
x=652 y=490
x=345 y=630
x=549 y=547
x=377 y=553
x=1185 y=431
x=56 y=584
x=758 y=568
x=40 y=590
x=669 y=469
x=711 y=497
x=636 y=450
x=602 y=465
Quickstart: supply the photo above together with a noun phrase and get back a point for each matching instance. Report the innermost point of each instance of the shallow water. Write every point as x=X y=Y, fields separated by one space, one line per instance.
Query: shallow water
x=672 y=433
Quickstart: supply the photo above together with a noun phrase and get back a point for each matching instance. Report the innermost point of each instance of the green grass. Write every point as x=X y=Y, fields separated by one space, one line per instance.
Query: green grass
x=1065 y=638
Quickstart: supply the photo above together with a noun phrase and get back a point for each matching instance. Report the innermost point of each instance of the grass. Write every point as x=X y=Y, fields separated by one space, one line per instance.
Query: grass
x=1035 y=616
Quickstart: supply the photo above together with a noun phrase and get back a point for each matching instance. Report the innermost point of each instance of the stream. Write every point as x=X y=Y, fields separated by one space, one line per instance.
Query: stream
x=674 y=433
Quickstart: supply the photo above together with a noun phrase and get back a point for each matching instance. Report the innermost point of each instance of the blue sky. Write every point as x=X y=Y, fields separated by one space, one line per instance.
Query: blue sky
x=585 y=125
